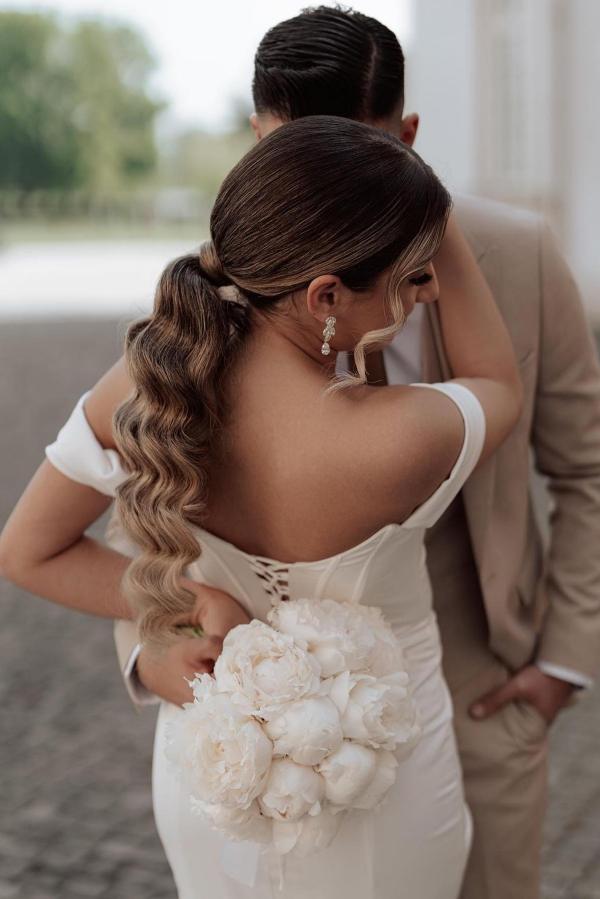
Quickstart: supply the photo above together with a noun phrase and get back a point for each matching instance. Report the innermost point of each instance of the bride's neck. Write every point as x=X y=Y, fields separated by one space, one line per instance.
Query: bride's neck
x=276 y=344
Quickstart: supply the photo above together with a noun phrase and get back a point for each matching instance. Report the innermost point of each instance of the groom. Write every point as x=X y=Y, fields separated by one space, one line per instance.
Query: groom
x=520 y=624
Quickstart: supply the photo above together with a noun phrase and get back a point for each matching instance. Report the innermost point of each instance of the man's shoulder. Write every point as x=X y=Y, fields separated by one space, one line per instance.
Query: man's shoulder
x=490 y=222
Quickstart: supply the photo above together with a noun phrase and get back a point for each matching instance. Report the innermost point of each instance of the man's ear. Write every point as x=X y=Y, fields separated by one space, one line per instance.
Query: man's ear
x=255 y=125
x=408 y=128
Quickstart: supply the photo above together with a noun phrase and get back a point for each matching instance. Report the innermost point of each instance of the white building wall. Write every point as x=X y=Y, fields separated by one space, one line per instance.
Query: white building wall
x=441 y=88
x=508 y=92
x=580 y=170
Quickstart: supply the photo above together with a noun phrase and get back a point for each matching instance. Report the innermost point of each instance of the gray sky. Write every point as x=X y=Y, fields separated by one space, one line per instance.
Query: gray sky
x=205 y=48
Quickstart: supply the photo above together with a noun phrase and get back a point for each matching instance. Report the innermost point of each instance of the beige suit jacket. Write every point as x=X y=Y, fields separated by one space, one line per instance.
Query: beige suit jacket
x=538 y=603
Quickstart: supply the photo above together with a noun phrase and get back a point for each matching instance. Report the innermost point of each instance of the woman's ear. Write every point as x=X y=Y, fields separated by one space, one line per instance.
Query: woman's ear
x=324 y=296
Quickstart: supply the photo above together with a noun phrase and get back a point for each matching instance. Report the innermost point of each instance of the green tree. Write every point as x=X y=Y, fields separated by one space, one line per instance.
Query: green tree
x=75 y=106
x=114 y=114
x=38 y=145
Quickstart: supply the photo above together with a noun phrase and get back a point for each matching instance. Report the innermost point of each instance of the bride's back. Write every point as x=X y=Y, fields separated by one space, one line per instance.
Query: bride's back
x=301 y=475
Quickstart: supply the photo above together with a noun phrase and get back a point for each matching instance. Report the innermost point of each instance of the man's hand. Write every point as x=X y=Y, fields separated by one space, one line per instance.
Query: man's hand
x=546 y=693
x=165 y=674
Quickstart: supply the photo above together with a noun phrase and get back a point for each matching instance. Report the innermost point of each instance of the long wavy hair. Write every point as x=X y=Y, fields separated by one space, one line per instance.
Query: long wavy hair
x=318 y=195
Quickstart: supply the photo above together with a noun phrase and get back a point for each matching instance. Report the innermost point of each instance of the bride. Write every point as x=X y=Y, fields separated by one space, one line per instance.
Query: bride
x=238 y=458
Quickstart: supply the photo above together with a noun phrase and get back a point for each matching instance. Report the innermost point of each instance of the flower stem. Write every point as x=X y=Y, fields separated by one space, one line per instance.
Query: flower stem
x=192 y=630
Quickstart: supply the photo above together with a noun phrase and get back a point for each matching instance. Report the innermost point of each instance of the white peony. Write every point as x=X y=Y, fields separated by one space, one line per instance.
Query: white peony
x=304 y=719
x=223 y=755
x=291 y=791
x=347 y=772
x=343 y=636
x=263 y=670
x=387 y=655
x=236 y=823
x=307 y=835
x=385 y=775
x=379 y=712
x=306 y=730
x=331 y=630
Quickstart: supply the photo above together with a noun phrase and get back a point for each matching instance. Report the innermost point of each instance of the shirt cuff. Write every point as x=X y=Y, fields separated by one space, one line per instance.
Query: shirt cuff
x=138 y=692
x=567 y=674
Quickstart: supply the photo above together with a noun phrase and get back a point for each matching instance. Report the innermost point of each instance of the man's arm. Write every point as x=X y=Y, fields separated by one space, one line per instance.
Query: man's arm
x=566 y=441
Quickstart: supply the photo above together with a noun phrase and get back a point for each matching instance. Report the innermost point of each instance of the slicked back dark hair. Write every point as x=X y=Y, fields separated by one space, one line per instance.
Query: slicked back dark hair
x=329 y=61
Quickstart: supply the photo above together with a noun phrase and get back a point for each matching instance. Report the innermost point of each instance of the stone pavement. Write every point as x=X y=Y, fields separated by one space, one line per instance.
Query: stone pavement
x=75 y=808
x=75 y=764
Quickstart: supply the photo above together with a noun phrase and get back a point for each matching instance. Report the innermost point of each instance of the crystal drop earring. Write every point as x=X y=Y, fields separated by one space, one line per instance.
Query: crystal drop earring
x=328 y=332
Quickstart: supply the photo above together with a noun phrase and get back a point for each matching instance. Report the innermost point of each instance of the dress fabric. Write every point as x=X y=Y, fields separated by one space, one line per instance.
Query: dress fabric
x=415 y=846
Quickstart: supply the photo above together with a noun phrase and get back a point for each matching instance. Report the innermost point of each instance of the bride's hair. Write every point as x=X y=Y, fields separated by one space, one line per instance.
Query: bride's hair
x=318 y=195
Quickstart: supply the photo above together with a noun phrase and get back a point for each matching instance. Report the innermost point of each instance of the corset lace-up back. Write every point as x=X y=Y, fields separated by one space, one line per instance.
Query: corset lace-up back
x=274 y=576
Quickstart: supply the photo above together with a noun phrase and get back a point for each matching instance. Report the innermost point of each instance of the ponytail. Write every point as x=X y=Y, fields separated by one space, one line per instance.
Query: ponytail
x=178 y=359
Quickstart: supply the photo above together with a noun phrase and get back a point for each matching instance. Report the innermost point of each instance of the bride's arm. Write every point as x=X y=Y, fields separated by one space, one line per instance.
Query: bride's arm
x=45 y=550
x=477 y=343
x=44 y=547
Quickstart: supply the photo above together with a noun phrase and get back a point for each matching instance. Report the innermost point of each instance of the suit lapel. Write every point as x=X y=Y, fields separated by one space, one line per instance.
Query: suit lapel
x=477 y=492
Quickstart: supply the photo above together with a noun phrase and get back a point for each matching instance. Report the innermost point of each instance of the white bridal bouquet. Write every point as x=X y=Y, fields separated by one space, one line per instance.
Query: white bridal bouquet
x=303 y=719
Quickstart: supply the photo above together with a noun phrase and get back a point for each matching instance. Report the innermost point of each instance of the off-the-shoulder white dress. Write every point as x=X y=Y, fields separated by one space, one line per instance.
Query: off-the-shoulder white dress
x=415 y=846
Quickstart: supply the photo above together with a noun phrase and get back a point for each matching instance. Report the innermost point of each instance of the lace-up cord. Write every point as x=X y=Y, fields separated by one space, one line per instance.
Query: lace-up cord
x=275 y=577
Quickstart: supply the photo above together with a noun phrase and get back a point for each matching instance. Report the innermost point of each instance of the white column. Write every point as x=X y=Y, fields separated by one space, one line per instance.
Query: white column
x=516 y=111
x=441 y=87
x=581 y=147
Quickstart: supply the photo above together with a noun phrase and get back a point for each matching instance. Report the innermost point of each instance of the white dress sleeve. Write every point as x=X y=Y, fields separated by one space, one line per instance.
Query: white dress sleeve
x=473 y=416
x=79 y=455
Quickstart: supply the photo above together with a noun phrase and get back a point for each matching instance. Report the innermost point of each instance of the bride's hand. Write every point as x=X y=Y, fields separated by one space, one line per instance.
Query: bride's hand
x=214 y=611
x=167 y=673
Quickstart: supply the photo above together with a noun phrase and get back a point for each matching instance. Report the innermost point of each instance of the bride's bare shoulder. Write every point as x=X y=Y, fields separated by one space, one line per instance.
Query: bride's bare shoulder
x=402 y=432
x=105 y=397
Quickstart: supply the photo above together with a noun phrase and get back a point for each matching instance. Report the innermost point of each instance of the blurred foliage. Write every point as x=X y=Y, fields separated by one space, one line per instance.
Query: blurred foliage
x=75 y=107
x=196 y=158
x=78 y=153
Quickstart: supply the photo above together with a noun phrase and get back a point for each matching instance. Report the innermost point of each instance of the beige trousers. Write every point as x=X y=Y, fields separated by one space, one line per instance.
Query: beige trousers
x=504 y=757
x=505 y=775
